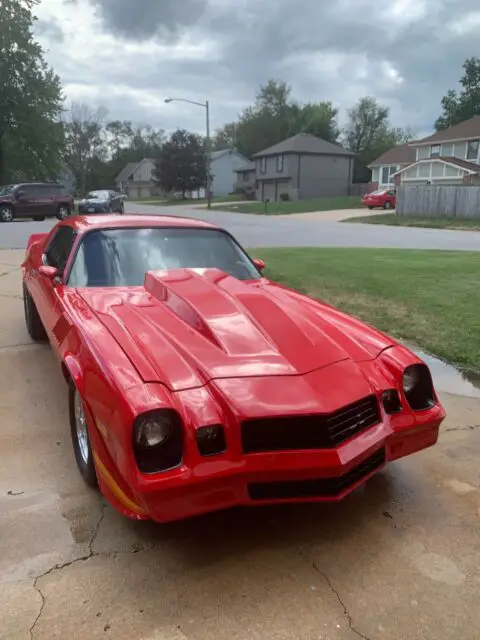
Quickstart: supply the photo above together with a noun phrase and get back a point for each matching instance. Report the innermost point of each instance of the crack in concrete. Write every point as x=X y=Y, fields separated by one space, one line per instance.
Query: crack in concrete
x=469 y=427
x=60 y=567
x=88 y=556
x=10 y=295
x=337 y=595
x=7 y=273
x=4 y=347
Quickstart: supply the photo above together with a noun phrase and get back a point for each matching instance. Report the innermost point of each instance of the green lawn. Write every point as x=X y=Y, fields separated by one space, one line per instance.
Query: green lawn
x=300 y=206
x=433 y=223
x=189 y=201
x=429 y=298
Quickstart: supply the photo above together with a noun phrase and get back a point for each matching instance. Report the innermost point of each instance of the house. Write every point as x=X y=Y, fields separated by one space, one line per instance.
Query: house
x=393 y=160
x=246 y=177
x=303 y=167
x=448 y=157
x=136 y=179
x=223 y=167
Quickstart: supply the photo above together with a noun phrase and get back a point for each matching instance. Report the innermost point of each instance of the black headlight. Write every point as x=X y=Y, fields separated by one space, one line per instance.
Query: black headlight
x=211 y=440
x=158 y=440
x=418 y=387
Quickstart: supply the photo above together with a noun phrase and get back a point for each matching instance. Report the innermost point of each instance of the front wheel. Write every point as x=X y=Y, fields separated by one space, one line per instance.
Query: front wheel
x=80 y=438
x=33 y=321
x=63 y=212
x=6 y=213
x=387 y=205
x=121 y=209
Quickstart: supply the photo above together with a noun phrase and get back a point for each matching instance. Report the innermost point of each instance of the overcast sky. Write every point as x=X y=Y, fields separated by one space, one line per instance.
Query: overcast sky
x=129 y=55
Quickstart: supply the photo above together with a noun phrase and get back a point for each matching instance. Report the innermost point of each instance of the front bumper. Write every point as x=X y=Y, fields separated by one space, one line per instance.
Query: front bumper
x=86 y=209
x=221 y=482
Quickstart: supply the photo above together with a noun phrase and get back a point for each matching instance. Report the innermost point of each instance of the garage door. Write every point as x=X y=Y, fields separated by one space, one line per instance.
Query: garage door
x=268 y=191
x=145 y=192
x=133 y=193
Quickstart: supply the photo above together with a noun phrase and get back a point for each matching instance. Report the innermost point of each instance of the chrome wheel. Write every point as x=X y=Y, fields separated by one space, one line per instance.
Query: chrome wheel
x=81 y=428
x=6 y=214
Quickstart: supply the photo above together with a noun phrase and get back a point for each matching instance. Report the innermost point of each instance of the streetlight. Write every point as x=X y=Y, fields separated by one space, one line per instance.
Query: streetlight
x=206 y=106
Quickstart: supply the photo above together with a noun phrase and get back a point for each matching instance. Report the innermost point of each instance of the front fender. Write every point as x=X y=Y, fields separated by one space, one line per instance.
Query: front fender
x=73 y=372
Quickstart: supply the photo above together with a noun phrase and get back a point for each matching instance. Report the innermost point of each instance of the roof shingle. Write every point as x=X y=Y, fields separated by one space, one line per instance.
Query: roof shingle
x=305 y=143
x=467 y=129
x=403 y=154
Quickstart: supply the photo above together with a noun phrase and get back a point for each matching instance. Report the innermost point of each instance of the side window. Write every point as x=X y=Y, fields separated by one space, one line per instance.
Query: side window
x=59 y=248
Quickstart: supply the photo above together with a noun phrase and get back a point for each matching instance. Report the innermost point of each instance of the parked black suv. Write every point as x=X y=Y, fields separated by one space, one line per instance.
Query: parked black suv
x=37 y=200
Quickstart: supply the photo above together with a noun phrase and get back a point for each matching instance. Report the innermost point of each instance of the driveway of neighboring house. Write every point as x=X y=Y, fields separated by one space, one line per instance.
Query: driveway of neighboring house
x=398 y=559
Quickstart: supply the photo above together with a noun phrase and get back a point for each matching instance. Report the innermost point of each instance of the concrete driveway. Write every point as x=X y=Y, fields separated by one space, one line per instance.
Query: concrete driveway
x=303 y=230
x=397 y=560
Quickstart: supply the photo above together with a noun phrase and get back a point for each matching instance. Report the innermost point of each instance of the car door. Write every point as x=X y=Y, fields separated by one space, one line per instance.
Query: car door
x=25 y=200
x=45 y=291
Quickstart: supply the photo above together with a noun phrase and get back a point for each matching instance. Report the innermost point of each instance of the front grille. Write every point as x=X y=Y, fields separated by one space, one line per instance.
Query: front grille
x=309 y=432
x=319 y=488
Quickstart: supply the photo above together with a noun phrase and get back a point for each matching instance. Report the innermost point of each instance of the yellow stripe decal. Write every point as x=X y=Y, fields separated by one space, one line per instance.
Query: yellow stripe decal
x=116 y=490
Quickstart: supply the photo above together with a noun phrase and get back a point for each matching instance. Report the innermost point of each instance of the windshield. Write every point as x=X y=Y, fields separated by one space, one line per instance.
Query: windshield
x=379 y=192
x=121 y=257
x=6 y=188
x=97 y=195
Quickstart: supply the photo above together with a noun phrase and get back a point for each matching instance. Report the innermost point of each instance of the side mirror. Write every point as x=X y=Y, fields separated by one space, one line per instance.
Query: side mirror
x=48 y=272
x=260 y=264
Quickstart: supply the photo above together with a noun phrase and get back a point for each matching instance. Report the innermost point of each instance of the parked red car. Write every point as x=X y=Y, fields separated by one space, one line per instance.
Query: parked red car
x=382 y=198
x=196 y=384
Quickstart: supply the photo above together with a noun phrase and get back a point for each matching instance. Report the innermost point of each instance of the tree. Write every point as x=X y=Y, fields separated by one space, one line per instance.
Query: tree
x=458 y=107
x=181 y=164
x=31 y=136
x=85 y=143
x=274 y=117
x=368 y=133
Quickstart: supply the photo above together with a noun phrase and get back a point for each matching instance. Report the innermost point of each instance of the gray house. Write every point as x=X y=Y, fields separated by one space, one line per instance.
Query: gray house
x=223 y=166
x=246 y=176
x=303 y=167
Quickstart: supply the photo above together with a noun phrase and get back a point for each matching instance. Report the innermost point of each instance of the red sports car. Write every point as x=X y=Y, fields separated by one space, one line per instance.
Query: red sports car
x=196 y=384
x=382 y=198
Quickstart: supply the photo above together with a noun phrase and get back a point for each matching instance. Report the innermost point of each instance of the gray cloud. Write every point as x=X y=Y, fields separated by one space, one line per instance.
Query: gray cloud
x=146 y=18
x=295 y=40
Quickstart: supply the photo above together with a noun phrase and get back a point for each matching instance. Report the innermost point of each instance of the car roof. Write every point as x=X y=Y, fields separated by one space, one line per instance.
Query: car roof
x=88 y=223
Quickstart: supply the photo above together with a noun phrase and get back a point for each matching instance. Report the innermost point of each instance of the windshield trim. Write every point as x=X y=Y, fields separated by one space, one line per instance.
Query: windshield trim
x=81 y=236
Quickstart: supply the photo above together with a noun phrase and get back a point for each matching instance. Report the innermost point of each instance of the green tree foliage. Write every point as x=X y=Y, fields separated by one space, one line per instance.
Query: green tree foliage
x=85 y=149
x=181 y=165
x=275 y=116
x=31 y=135
x=369 y=134
x=457 y=107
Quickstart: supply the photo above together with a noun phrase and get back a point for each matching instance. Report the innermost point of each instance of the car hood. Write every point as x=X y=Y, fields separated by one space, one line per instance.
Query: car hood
x=186 y=327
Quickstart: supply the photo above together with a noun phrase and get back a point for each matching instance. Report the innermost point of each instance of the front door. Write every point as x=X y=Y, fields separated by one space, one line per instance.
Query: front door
x=25 y=201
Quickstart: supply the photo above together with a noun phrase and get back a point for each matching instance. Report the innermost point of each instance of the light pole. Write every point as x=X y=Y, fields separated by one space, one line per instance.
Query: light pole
x=206 y=106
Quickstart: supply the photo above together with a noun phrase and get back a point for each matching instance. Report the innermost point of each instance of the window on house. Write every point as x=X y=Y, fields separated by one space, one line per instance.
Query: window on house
x=263 y=165
x=245 y=176
x=472 y=149
x=387 y=174
x=279 y=164
x=435 y=150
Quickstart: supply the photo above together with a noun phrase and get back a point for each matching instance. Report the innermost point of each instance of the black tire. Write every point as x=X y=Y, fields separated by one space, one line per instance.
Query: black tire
x=388 y=205
x=63 y=211
x=34 y=324
x=7 y=213
x=83 y=452
x=370 y=208
x=39 y=218
x=122 y=208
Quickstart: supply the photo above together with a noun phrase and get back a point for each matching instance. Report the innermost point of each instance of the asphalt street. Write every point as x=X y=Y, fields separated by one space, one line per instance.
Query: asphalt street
x=262 y=231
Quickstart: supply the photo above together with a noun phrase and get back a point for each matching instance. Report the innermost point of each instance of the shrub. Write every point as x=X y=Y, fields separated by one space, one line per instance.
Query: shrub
x=284 y=197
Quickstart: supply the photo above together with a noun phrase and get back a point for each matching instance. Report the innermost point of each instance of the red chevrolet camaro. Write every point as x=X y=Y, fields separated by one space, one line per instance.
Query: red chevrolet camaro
x=196 y=384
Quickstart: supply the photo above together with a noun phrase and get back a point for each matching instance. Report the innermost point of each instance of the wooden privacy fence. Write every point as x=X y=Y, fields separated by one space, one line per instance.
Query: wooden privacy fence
x=432 y=201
